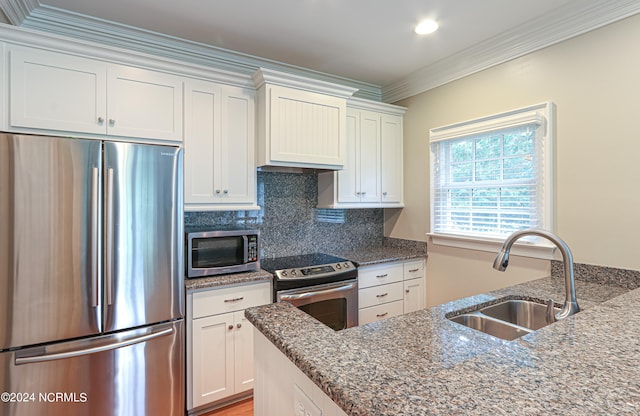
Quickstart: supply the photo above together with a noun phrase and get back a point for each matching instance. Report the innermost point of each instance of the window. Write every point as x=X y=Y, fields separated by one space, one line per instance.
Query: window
x=491 y=176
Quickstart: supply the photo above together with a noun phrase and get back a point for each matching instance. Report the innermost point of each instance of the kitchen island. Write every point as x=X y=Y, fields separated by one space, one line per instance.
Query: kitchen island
x=423 y=364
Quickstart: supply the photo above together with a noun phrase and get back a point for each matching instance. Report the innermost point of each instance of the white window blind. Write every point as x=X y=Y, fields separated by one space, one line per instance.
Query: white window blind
x=489 y=177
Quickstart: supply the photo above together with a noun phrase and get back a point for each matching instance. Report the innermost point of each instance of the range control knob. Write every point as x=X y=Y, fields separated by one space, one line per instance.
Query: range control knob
x=338 y=266
x=346 y=265
x=293 y=271
x=284 y=273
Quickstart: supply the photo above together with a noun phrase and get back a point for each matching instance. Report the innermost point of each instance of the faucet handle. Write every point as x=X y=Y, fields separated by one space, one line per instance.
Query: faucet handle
x=551 y=313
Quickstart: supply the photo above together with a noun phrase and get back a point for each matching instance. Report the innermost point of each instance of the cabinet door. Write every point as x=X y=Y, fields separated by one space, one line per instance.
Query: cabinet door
x=306 y=128
x=202 y=128
x=54 y=91
x=145 y=104
x=414 y=295
x=391 y=143
x=349 y=177
x=243 y=351
x=213 y=358
x=369 y=157
x=236 y=156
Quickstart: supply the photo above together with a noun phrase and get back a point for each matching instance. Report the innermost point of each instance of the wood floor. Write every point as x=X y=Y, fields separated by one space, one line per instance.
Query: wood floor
x=243 y=408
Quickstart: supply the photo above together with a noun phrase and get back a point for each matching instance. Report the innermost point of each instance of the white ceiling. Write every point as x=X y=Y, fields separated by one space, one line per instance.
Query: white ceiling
x=371 y=41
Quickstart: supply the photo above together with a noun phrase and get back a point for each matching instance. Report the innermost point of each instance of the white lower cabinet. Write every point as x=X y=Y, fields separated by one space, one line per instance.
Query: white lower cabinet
x=220 y=342
x=281 y=389
x=390 y=289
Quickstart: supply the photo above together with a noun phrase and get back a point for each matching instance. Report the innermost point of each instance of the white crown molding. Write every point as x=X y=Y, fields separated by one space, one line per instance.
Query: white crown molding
x=269 y=76
x=18 y=10
x=61 y=22
x=355 y=102
x=572 y=19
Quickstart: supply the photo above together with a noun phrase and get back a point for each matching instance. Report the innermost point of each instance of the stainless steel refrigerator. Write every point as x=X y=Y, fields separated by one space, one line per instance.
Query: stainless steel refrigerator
x=91 y=286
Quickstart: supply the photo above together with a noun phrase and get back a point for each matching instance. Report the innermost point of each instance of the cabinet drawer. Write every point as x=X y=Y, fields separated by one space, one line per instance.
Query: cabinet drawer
x=413 y=269
x=376 y=313
x=377 y=295
x=229 y=299
x=379 y=275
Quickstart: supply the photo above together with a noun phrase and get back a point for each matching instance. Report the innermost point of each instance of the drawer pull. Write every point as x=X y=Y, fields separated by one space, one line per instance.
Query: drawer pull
x=382 y=295
x=413 y=270
x=382 y=315
x=234 y=299
x=380 y=276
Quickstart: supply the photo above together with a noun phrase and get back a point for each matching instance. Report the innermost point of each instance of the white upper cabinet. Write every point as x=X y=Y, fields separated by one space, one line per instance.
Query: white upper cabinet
x=391 y=159
x=219 y=147
x=56 y=92
x=142 y=103
x=4 y=99
x=301 y=122
x=372 y=176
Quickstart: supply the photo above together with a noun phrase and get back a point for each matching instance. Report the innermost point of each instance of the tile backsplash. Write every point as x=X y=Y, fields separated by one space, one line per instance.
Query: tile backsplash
x=290 y=223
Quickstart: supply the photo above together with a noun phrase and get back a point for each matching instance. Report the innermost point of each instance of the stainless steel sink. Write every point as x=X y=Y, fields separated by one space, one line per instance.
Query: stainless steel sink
x=531 y=315
x=490 y=326
x=509 y=319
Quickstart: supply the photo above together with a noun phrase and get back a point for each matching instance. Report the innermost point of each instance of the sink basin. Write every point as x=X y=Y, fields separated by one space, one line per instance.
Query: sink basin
x=490 y=326
x=531 y=315
x=509 y=319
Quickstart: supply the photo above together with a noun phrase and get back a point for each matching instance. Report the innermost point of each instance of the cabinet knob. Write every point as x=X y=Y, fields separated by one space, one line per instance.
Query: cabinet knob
x=226 y=191
x=384 y=194
x=217 y=191
x=230 y=327
x=100 y=120
x=407 y=291
x=239 y=325
x=112 y=122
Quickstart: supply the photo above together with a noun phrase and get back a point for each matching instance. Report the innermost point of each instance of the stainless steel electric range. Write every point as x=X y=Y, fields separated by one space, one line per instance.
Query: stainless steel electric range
x=324 y=286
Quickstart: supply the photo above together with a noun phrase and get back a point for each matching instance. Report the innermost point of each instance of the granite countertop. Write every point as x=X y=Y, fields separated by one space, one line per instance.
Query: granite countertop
x=423 y=364
x=376 y=255
x=226 y=280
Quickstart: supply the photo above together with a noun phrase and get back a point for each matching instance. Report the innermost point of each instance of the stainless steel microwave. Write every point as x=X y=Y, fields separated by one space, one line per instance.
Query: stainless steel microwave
x=211 y=253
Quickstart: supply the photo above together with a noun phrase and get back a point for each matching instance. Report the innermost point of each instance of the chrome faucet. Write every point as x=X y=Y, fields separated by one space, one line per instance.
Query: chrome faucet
x=570 y=304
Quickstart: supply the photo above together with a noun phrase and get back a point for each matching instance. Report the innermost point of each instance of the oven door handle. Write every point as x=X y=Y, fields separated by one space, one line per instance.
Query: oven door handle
x=328 y=291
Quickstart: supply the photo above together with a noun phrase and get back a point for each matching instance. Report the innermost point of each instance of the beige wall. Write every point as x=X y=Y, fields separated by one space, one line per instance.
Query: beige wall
x=594 y=81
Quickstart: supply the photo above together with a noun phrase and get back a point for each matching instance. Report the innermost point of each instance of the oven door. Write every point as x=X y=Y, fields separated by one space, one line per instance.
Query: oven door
x=333 y=304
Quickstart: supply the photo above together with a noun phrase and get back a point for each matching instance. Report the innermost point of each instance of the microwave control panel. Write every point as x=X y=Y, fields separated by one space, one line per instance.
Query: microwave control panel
x=252 y=248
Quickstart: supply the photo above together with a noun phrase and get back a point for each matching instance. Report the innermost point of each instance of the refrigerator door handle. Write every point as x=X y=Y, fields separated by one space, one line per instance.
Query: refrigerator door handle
x=95 y=235
x=108 y=266
x=91 y=350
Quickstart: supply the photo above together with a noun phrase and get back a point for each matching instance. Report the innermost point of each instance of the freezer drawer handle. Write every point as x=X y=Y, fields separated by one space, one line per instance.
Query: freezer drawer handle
x=94 y=350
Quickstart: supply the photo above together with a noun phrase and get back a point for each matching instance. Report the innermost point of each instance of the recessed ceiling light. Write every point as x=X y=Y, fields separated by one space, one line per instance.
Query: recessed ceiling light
x=426 y=26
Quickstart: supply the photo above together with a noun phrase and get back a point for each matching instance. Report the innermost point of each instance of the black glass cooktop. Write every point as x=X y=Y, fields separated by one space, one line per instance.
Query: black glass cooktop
x=299 y=261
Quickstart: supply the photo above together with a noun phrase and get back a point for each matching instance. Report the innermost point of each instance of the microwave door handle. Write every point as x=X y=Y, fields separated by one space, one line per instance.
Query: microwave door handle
x=245 y=241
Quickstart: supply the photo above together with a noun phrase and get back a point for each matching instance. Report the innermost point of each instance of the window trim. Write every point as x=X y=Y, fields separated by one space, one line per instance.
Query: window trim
x=540 y=114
